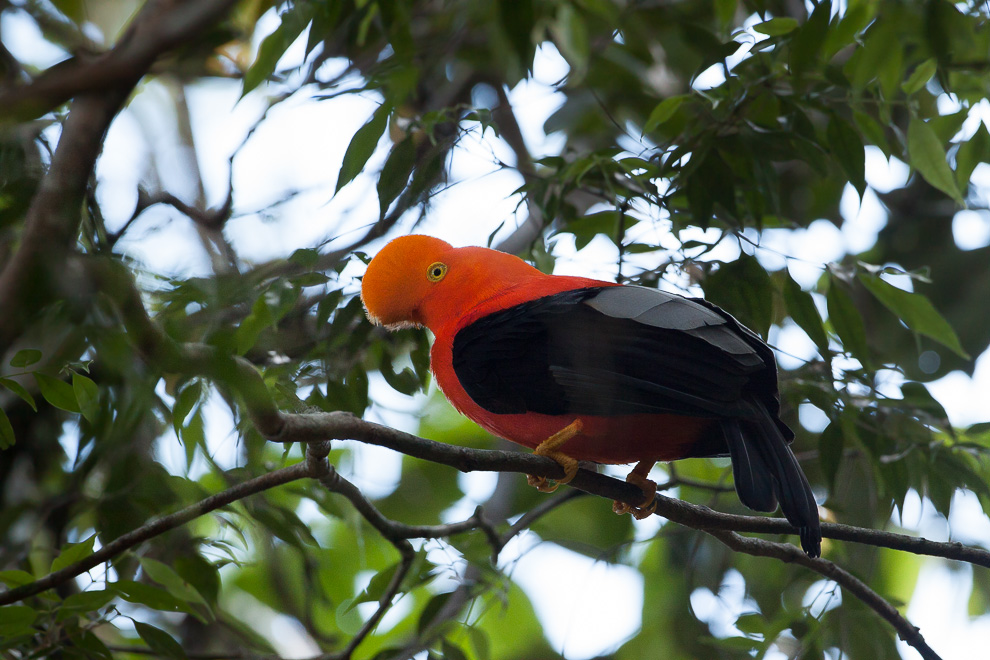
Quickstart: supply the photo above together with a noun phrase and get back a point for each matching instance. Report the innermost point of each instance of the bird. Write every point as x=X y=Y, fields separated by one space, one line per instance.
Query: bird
x=580 y=369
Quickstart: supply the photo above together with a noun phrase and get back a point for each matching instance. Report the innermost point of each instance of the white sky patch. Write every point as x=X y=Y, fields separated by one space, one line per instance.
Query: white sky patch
x=965 y=398
x=971 y=229
x=588 y=608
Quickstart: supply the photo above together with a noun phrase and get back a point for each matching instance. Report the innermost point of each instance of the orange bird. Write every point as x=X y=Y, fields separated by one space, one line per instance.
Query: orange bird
x=582 y=369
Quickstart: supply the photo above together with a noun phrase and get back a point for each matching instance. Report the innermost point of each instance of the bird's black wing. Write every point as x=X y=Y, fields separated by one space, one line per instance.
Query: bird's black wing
x=612 y=351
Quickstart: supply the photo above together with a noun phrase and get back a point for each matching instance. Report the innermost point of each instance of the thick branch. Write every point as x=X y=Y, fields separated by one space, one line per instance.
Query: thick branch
x=160 y=26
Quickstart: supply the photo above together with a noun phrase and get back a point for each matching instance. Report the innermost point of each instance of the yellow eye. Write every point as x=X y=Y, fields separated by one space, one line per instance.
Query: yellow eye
x=436 y=271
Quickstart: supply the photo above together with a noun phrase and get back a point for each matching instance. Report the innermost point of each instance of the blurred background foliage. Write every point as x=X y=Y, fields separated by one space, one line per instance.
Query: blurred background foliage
x=735 y=117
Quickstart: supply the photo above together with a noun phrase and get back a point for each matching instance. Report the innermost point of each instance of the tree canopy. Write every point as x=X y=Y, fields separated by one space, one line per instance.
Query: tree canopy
x=690 y=142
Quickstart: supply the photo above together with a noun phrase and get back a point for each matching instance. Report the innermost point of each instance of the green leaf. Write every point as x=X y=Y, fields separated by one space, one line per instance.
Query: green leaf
x=395 y=174
x=664 y=111
x=927 y=156
x=806 y=45
x=743 y=288
x=25 y=358
x=82 y=603
x=16 y=620
x=362 y=145
x=920 y=76
x=847 y=147
x=847 y=321
x=776 y=26
x=88 y=396
x=159 y=641
x=294 y=21
x=57 y=392
x=972 y=152
x=73 y=552
x=254 y=324
x=164 y=575
x=802 y=309
x=916 y=311
x=20 y=391
x=15 y=578
x=831 y=444
x=7 y=439
x=188 y=397
x=151 y=596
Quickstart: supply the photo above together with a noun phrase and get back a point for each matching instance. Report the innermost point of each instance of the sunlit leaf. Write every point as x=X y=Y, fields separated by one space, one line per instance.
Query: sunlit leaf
x=927 y=155
x=916 y=311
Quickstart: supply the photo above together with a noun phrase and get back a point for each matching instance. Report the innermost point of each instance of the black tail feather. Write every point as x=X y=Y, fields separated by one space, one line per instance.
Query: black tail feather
x=764 y=467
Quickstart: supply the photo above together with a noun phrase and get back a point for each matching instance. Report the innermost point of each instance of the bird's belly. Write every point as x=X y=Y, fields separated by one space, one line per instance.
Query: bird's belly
x=619 y=439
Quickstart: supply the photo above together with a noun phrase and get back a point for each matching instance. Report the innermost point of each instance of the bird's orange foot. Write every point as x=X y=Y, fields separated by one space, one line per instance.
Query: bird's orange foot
x=638 y=478
x=551 y=449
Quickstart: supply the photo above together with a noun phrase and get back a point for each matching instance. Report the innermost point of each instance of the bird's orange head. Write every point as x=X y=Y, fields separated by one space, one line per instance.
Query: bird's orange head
x=421 y=280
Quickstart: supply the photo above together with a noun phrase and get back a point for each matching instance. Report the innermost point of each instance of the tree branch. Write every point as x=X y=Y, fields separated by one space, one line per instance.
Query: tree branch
x=157 y=527
x=790 y=554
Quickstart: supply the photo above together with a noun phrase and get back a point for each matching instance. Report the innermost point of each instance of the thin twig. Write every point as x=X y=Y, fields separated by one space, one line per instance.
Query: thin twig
x=790 y=554
x=156 y=528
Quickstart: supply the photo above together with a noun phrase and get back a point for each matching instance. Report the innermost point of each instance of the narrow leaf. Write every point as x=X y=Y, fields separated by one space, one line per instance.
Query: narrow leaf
x=928 y=157
x=802 y=309
x=294 y=21
x=7 y=438
x=920 y=76
x=847 y=321
x=916 y=311
x=159 y=641
x=395 y=174
x=664 y=111
x=847 y=147
x=20 y=391
x=831 y=443
x=164 y=575
x=362 y=146
x=776 y=26
x=88 y=396
x=806 y=45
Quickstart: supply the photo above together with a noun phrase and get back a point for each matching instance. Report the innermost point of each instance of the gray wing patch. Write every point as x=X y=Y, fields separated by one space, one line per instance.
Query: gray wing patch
x=672 y=312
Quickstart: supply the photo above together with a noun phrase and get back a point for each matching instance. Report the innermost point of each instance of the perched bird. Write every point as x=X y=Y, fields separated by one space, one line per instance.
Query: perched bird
x=582 y=369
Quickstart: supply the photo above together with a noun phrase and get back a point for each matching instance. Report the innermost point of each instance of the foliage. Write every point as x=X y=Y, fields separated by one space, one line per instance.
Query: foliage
x=737 y=118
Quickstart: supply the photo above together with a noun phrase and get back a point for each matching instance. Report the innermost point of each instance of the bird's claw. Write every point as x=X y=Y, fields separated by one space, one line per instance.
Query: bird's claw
x=649 y=504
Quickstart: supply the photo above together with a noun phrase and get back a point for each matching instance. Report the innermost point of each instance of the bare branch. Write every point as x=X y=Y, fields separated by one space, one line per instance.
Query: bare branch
x=159 y=26
x=790 y=554
x=156 y=528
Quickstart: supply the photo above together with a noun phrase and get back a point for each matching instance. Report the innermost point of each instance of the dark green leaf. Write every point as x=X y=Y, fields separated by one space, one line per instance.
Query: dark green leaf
x=743 y=288
x=85 y=602
x=151 y=596
x=831 y=444
x=847 y=146
x=847 y=321
x=806 y=44
x=88 y=396
x=7 y=438
x=395 y=173
x=188 y=397
x=57 y=392
x=926 y=155
x=916 y=311
x=16 y=620
x=802 y=309
x=451 y=652
x=73 y=552
x=164 y=575
x=972 y=152
x=664 y=111
x=294 y=20
x=362 y=145
x=25 y=357
x=20 y=391
x=15 y=578
x=159 y=641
